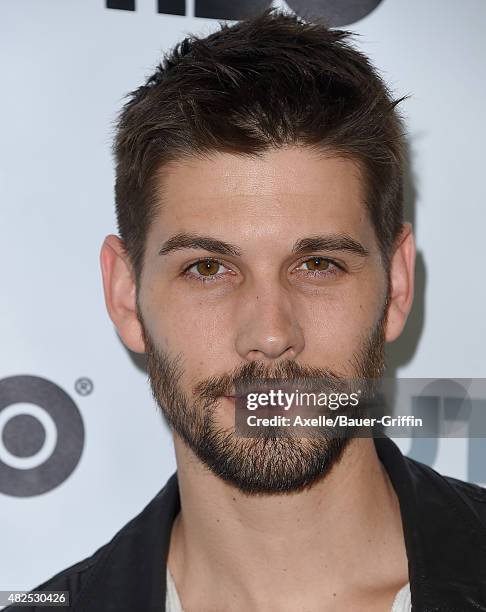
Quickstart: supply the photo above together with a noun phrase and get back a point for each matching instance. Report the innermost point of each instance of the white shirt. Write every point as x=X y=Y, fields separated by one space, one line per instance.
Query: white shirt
x=401 y=603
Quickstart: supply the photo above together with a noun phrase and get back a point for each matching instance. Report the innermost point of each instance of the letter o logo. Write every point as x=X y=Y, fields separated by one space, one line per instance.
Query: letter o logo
x=337 y=13
x=41 y=436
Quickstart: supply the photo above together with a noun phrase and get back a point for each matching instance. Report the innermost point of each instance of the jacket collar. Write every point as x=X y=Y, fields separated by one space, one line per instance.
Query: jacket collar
x=445 y=541
x=445 y=544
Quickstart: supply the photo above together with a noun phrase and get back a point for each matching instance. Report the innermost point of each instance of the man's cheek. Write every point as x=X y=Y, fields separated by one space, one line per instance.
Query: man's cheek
x=199 y=342
x=335 y=341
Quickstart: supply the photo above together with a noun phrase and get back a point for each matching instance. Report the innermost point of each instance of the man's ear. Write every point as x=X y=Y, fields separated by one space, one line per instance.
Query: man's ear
x=120 y=292
x=402 y=273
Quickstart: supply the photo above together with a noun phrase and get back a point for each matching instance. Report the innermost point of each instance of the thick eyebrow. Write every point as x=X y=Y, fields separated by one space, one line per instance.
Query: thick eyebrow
x=330 y=242
x=194 y=241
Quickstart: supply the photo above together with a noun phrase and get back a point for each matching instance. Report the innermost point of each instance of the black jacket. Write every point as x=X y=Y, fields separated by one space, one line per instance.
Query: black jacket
x=444 y=522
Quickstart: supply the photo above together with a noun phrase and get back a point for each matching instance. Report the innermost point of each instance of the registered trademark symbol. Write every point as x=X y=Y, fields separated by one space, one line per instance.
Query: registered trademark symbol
x=84 y=386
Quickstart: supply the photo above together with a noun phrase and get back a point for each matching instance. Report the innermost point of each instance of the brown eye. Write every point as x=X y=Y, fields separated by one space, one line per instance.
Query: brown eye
x=318 y=264
x=207 y=267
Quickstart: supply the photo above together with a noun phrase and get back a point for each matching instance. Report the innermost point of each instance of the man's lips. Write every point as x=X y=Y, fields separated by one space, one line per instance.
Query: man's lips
x=232 y=398
x=235 y=397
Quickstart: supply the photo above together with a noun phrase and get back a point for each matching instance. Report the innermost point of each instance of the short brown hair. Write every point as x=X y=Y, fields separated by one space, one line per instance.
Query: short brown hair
x=265 y=82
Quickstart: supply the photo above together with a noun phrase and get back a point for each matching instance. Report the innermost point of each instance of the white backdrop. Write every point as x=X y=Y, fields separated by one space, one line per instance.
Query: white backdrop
x=65 y=66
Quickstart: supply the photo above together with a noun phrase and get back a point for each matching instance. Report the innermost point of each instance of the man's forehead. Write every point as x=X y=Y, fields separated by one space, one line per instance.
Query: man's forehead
x=293 y=171
x=277 y=197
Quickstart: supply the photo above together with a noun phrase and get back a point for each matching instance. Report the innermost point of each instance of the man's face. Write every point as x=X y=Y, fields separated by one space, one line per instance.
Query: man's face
x=298 y=290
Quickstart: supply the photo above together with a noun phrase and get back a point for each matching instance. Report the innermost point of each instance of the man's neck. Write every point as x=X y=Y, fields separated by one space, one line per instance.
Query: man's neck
x=339 y=542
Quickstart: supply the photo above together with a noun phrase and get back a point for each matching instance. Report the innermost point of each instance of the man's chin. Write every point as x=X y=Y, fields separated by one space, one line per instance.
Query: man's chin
x=272 y=464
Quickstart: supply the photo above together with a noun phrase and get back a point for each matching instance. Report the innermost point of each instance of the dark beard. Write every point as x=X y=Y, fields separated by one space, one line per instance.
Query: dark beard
x=271 y=464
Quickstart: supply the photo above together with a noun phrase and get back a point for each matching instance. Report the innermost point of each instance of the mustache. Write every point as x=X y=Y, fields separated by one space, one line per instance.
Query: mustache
x=256 y=375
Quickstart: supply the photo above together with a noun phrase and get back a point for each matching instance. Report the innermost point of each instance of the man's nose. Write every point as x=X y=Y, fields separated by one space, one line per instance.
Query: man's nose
x=268 y=326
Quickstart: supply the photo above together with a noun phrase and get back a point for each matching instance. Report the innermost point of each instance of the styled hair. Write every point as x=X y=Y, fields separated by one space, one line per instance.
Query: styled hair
x=266 y=82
